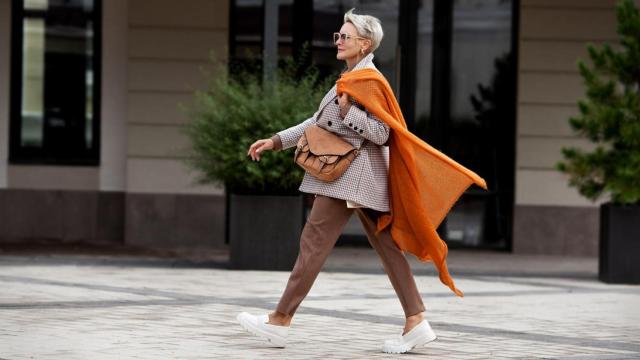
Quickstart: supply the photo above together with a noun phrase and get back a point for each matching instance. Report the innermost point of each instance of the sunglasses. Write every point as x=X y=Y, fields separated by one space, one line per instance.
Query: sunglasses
x=337 y=36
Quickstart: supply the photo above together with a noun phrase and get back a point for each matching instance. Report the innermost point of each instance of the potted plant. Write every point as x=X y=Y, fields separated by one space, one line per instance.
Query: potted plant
x=265 y=211
x=610 y=118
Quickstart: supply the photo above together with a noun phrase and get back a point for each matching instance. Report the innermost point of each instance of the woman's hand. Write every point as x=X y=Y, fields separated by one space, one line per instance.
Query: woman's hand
x=345 y=104
x=258 y=147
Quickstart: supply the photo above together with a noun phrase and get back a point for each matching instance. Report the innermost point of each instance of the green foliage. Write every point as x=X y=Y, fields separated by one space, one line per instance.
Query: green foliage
x=610 y=117
x=238 y=109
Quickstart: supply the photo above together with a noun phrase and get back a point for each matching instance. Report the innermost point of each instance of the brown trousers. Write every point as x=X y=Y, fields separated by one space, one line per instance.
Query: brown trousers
x=324 y=225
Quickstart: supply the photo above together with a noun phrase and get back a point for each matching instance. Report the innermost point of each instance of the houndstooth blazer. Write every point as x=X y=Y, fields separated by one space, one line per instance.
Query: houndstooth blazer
x=365 y=181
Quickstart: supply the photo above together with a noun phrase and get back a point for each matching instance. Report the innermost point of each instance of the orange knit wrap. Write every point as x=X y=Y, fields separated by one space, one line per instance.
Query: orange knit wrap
x=423 y=182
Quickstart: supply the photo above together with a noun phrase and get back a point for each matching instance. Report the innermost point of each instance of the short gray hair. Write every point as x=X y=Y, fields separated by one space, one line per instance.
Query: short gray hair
x=367 y=26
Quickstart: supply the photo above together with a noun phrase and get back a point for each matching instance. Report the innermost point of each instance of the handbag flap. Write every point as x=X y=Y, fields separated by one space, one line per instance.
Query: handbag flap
x=323 y=142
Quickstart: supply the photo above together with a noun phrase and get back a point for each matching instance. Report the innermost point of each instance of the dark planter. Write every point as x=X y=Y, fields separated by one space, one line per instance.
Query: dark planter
x=264 y=231
x=619 y=261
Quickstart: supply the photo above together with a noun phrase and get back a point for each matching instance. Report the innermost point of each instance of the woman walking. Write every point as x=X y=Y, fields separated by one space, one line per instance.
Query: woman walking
x=369 y=187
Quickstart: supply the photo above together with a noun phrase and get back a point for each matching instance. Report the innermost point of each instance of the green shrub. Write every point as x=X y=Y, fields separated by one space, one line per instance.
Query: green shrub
x=610 y=117
x=237 y=109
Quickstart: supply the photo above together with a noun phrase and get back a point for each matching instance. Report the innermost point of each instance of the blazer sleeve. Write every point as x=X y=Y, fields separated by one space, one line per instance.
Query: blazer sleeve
x=288 y=138
x=366 y=125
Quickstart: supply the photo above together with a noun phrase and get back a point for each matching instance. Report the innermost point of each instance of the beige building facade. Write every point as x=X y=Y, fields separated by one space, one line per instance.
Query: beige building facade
x=550 y=216
x=140 y=193
x=151 y=53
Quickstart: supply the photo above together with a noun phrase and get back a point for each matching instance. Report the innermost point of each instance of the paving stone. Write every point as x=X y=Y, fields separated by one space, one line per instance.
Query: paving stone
x=113 y=310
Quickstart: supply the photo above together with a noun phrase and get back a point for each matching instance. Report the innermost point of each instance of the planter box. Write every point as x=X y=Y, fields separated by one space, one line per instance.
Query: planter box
x=619 y=258
x=264 y=231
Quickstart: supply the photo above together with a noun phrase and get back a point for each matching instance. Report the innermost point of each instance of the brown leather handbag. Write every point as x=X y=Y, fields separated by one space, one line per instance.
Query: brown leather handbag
x=323 y=154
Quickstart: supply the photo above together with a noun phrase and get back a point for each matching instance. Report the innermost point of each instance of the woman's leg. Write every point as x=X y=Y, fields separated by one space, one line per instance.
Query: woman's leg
x=324 y=225
x=396 y=266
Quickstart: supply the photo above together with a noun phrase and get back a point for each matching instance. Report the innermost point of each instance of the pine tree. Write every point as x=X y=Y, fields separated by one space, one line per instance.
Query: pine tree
x=610 y=117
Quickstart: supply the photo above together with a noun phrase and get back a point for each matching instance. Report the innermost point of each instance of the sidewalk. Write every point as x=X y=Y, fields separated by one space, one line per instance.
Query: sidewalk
x=73 y=306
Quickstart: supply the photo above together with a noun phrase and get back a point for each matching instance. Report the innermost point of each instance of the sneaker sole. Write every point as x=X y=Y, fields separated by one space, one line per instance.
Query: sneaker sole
x=276 y=340
x=408 y=346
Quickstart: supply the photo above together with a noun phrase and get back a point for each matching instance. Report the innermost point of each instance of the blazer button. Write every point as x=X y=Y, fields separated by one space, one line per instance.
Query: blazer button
x=336 y=101
x=350 y=124
x=329 y=122
x=355 y=128
x=361 y=131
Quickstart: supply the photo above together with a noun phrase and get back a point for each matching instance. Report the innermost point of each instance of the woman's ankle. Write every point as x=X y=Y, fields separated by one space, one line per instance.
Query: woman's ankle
x=279 y=318
x=416 y=317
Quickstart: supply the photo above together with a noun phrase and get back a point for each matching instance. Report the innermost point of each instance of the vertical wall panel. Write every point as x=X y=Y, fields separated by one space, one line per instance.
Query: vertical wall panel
x=550 y=216
x=113 y=152
x=553 y=35
x=169 y=45
x=5 y=59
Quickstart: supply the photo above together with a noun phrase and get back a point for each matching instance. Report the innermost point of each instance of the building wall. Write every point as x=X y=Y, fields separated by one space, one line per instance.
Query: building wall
x=550 y=216
x=169 y=44
x=73 y=203
x=142 y=193
x=113 y=111
x=5 y=59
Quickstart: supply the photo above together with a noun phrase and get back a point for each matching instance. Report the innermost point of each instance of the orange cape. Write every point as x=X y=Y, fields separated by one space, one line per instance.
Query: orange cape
x=423 y=182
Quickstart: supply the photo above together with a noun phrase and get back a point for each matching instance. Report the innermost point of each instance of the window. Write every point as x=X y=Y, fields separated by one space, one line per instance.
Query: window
x=452 y=64
x=473 y=113
x=246 y=27
x=55 y=82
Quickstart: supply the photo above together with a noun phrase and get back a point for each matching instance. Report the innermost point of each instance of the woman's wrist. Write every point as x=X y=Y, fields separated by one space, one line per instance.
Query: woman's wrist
x=277 y=142
x=345 y=110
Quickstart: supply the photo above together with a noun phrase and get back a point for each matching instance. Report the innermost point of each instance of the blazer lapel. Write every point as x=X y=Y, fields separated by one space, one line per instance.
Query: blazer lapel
x=325 y=101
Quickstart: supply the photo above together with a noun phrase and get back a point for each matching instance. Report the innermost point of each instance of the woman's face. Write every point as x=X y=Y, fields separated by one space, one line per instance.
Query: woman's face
x=350 y=48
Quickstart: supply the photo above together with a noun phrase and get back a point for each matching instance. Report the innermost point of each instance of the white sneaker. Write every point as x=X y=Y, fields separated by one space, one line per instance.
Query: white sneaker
x=418 y=336
x=257 y=325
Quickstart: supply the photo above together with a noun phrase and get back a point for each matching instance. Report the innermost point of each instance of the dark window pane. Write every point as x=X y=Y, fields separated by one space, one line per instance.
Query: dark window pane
x=247 y=32
x=480 y=131
x=56 y=113
x=424 y=56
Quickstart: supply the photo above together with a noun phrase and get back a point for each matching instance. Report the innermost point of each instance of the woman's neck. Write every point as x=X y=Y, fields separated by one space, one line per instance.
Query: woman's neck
x=351 y=63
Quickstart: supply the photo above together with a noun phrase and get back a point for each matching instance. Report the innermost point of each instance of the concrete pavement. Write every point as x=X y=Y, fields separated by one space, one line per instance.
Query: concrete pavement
x=114 y=307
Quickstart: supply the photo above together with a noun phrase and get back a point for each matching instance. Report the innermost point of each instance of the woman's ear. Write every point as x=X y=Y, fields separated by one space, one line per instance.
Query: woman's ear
x=368 y=45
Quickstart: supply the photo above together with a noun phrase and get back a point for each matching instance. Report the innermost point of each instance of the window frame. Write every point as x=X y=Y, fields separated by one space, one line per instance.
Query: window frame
x=38 y=156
